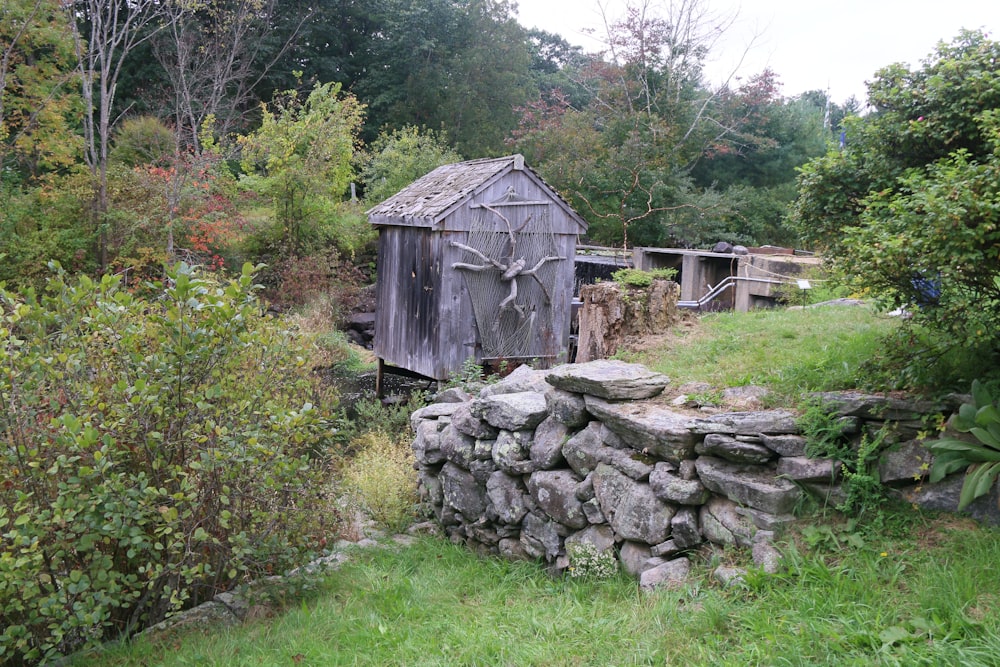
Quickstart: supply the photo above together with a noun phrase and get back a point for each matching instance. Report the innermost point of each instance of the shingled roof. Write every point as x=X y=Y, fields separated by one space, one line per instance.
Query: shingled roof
x=429 y=199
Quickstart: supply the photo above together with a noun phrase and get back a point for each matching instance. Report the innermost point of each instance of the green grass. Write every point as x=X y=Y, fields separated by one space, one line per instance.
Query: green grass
x=906 y=590
x=929 y=599
x=790 y=351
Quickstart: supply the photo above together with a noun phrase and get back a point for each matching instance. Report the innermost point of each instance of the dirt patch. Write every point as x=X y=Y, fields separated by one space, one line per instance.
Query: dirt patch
x=938 y=532
x=685 y=331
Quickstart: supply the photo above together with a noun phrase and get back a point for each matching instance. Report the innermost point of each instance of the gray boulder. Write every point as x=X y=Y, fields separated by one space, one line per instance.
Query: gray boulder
x=609 y=379
x=906 y=464
x=521 y=379
x=464 y=421
x=432 y=412
x=867 y=406
x=567 y=407
x=427 y=443
x=766 y=557
x=636 y=558
x=672 y=574
x=507 y=494
x=650 y=429
x=943 y=496
x=684 y=528
x=511 y=452
x=600 y=538
x=555 y=493
x=512 y=412
x=452 y=395
x=512 y=549
x=462 y=492
x=673 y=489
x=721 y=523
x=767 y=521
x=583 y=451
x=541 y=537
x=731 y=449
x=481 y=470
x=773 y=422
x=628 y=462
x=803 y=469
x=785 y=445
x=429 y=489
x=546 y=446
x=729 y=576
x=592 y=510
x=483 y=450
x=457 y=447
x=632 y=509
x=754 y=486
x=666 y=549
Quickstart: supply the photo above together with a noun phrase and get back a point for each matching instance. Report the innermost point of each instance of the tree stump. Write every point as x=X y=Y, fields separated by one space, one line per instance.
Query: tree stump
x=611 y=315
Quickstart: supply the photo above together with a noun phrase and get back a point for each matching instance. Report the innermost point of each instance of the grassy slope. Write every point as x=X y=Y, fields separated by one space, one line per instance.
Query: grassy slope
x=790 y=351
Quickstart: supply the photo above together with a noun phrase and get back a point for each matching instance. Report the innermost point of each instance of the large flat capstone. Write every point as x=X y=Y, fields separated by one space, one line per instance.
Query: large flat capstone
x=652 y=429
x=609 y=379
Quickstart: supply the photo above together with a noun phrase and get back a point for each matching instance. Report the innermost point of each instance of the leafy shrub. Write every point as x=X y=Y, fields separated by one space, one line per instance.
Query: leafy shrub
x=154 y=452
x=399 y=157
x=143 y=140
x=907 y=210
x=640 y=278
x=381 y=479
x=320 y=278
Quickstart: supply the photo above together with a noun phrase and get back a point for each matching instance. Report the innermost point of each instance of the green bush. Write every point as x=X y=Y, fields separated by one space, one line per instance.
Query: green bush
x=641 y=278
x=154 y=452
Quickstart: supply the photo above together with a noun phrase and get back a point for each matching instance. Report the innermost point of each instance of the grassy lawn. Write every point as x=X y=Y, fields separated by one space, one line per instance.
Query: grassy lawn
x=846 y=598
x=789 y=351
x=910 y=589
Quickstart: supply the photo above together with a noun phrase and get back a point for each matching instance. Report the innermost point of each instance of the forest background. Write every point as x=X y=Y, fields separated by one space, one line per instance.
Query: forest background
x=222 y=131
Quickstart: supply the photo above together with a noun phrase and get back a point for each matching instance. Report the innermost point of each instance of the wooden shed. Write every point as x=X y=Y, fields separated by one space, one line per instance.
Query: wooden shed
x=475 y=261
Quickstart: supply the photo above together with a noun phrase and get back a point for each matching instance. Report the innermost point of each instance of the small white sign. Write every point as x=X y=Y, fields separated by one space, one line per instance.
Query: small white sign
x=804 y=284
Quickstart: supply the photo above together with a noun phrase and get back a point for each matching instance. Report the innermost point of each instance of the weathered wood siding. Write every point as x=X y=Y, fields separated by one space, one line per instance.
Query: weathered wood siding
x=425 y=321
x=408 y=277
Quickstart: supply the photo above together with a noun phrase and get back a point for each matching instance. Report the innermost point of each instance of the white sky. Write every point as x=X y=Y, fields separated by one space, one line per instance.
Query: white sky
x=833 y=45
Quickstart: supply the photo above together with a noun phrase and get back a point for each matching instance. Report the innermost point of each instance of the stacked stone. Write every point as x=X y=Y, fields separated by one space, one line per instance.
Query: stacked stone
x=547 y=459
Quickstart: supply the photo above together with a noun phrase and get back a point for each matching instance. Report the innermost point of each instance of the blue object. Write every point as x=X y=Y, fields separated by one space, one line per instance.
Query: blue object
x=928 y=290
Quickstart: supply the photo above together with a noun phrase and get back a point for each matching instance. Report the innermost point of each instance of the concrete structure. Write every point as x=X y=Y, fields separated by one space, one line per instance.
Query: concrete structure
x=729 y=281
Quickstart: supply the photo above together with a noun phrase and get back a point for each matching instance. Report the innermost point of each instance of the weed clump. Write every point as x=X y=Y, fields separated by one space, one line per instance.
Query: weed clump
x=380 y=479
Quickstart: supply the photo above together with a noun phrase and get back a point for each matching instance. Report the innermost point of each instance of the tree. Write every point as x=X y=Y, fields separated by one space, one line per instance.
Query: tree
x=646 y=123
x=215 y=56
x=36 y=104
x=909 y=209
x=105 y=33
x=398 y=158
x=302 y=157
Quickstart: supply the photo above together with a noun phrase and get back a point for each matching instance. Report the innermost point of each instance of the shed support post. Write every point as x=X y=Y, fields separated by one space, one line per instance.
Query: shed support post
x=379 y=380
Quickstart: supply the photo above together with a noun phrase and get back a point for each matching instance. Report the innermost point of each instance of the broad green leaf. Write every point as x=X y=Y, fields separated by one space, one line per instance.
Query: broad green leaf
x=985 y=437
x=980 y=395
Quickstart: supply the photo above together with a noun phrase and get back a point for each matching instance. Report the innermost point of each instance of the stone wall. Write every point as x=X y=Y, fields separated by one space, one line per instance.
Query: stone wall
x=584 y=454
